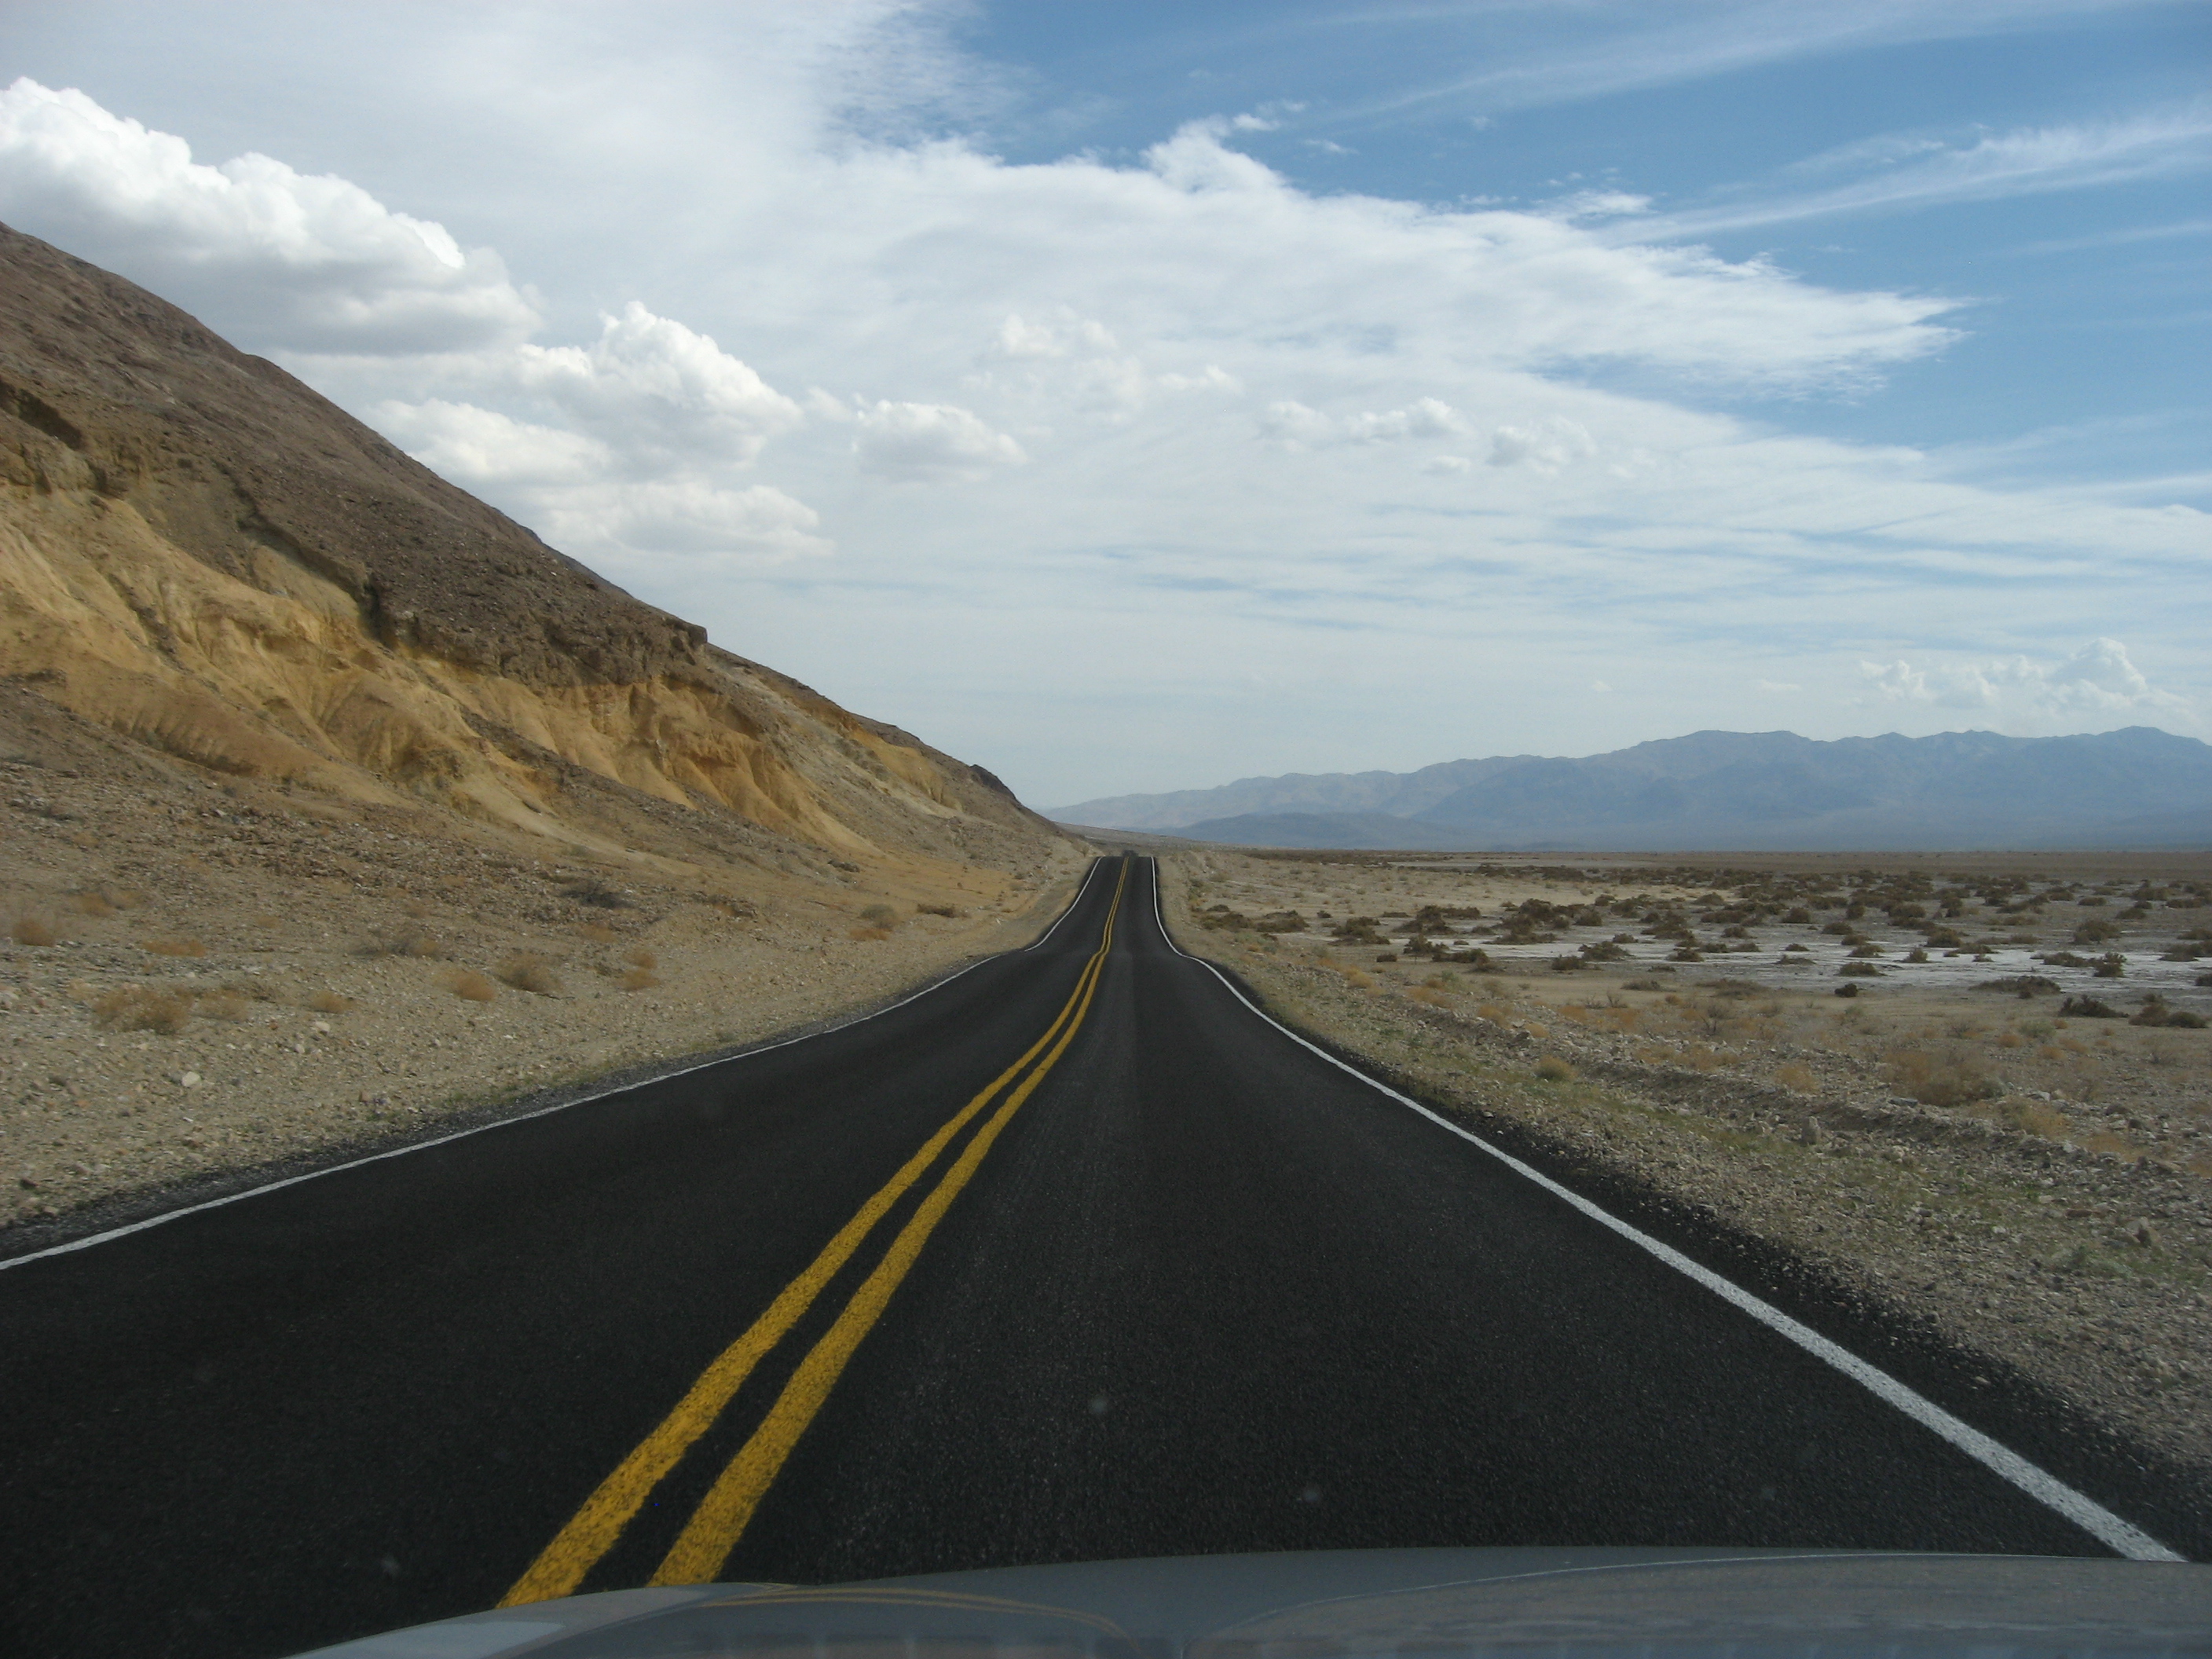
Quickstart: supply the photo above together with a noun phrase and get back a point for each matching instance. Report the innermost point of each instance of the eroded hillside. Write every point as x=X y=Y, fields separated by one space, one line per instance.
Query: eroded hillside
x=198 y=552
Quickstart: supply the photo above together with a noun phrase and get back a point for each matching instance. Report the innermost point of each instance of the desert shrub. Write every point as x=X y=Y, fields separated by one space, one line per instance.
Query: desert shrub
x=599 y=932
x=1552 y=1069
x=948 y=911
x=91 y=902
x=174 y=947
x=879 y=915
x=1434 y=998
x=2032 y=1117
x=1940 y=1080
x=596 y=892
x=865 y=934
x=135 y=1008
x=35 y=931
x=1916 y=954
x=1867 y=952
x=222 y=1004
x=638 y=956
x=471 y=986
x=638 y=980
x=2020 y=985
x=525 y=971
x=411 y=942
x=1568 y=964
x=1797 y=1078
x=2095 y=932
x=2154 y=1011
x=1859 y=970
x=329 y=1002
x=2112 y=965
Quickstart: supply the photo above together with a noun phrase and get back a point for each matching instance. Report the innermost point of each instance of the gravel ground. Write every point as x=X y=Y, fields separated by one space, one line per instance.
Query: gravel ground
x=196 y=979
x=2056 y=1217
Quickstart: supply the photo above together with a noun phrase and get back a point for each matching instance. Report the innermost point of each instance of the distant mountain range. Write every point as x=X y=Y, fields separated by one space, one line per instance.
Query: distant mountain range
x=1746 y=791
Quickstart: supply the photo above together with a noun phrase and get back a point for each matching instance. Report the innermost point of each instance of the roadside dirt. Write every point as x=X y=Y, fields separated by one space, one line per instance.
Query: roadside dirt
x=2033 y=1186
x=198 y=977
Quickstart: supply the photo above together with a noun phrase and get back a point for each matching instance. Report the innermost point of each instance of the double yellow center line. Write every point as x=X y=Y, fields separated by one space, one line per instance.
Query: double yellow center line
x=720 y=1520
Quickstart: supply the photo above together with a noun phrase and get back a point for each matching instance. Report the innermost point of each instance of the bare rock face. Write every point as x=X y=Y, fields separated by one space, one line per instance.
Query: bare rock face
x=107 y=389
x=200 y=553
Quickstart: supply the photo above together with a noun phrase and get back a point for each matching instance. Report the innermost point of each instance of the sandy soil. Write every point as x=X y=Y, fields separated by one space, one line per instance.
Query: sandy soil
x=197 y=977
x=2036 y=1187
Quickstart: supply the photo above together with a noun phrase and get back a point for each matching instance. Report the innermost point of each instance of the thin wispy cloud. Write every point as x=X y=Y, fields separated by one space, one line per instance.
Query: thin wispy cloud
x=2128 y=236
x=1697 y=43
x=1905 y=174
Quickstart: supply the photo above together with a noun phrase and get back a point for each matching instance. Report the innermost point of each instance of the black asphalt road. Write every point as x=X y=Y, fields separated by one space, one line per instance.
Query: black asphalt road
x=1205 y=1292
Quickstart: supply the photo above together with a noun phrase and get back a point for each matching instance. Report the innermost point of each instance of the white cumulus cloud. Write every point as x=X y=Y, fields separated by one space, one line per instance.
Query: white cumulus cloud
x=1295 y=424
x=476 y=446
x=286 y=259
x=1543 y=446
x=650 y=383
x=624 y=525
x=930 y=443
x=2097 y=682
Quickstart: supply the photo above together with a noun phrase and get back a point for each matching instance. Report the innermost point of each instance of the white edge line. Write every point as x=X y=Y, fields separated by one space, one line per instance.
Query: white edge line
x=1096 y=865
x=91 y=1239
x=2122 y=1537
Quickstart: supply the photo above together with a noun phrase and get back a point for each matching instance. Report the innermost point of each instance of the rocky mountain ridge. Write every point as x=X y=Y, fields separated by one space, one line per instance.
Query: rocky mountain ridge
x=1744 y=791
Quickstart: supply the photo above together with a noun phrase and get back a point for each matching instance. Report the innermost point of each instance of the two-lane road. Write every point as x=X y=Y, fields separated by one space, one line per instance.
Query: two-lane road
x=1074 y=1256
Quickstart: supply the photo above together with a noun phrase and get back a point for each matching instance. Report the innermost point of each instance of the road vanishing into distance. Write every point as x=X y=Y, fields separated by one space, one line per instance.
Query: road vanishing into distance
x=1074 y=1256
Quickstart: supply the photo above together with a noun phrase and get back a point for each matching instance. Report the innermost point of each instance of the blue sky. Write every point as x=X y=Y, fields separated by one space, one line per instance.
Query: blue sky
x=1136 y=397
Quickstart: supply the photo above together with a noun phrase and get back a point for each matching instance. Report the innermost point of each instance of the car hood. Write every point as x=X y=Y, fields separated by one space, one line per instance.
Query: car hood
x=1336 y=1604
